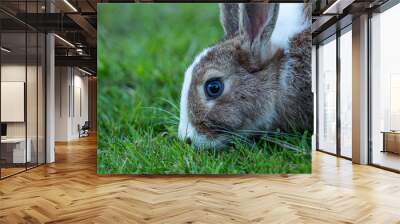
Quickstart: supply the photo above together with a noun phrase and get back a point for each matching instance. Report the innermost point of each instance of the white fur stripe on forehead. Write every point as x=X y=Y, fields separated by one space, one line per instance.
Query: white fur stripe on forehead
x=186 y=129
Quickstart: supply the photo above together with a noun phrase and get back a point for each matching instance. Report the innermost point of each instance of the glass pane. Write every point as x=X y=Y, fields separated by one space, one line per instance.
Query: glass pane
x=13 y=88
x=346 y=94
x=80 y=115
x=41 y=98
x=327 y=97
x=31 y=97
x=385 y=89
x=31 y=87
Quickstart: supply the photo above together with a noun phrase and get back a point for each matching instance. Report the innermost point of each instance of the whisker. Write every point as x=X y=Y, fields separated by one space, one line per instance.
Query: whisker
x=285 y=144
x=270 y=132
x=165 y=111
x=242 y=138
x=166 y=122
x=170 y=103
x=281 y=143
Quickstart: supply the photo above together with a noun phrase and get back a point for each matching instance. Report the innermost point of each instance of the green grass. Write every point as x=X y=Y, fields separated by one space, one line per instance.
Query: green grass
x=143 y=52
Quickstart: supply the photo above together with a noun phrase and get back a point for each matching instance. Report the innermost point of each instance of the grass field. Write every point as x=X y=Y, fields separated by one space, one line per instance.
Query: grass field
x=143 y=51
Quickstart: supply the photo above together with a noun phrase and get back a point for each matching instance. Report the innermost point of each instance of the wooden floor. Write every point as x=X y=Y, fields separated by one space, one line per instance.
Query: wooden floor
x=386 y=159
x=10 y=171
x=69 y=191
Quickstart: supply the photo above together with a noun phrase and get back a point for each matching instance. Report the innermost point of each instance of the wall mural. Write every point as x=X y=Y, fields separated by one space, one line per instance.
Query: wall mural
x=204 y=88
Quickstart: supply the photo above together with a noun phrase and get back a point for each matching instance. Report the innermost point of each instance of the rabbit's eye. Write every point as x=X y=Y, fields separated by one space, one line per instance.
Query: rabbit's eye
x=213 y=88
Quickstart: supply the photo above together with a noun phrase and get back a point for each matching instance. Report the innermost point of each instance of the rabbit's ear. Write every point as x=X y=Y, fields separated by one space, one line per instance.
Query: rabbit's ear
x=256 y=23
x=229 y=17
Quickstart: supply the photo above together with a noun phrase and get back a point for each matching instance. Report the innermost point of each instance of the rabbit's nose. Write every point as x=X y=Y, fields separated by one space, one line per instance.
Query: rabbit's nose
x=188 y=140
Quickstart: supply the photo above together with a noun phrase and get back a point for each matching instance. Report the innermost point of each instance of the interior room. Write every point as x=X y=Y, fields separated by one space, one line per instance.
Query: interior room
x=48 y=117
x=22 y=100
x=72 y=107
x=30 y=105
x=334 y=80
x=385 y=89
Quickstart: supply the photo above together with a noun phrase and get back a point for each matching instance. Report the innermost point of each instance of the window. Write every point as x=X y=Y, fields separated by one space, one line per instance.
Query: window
x=385 y=89
x=22 y=88
x=327 y=96
x=346 y=93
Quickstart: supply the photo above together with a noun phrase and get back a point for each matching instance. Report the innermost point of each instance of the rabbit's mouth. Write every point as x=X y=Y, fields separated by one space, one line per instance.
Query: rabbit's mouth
x=191 y=136
x=201 y=141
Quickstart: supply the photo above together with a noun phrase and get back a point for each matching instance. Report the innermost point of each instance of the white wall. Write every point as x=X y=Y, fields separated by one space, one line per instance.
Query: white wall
x=14 y=72
x=10 y=73
x=33 y=126
x=62 y=81
x=79 y=117
x=70 y=83
x=17 y=72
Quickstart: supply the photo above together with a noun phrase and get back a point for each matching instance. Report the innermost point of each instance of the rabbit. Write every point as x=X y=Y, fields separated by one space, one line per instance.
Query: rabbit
x=257 y=78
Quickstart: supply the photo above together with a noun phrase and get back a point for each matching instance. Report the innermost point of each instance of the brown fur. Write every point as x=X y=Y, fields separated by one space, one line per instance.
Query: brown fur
x=255 y=89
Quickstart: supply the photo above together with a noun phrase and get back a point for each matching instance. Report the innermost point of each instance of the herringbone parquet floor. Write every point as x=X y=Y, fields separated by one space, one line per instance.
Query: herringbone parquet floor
x=69 y=191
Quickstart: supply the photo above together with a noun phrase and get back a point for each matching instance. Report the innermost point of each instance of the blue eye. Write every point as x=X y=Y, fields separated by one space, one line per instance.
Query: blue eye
x=214 y=88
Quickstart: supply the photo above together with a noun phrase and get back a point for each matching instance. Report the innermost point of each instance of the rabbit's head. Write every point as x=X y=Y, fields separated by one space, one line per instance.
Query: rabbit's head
x=233 y=86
